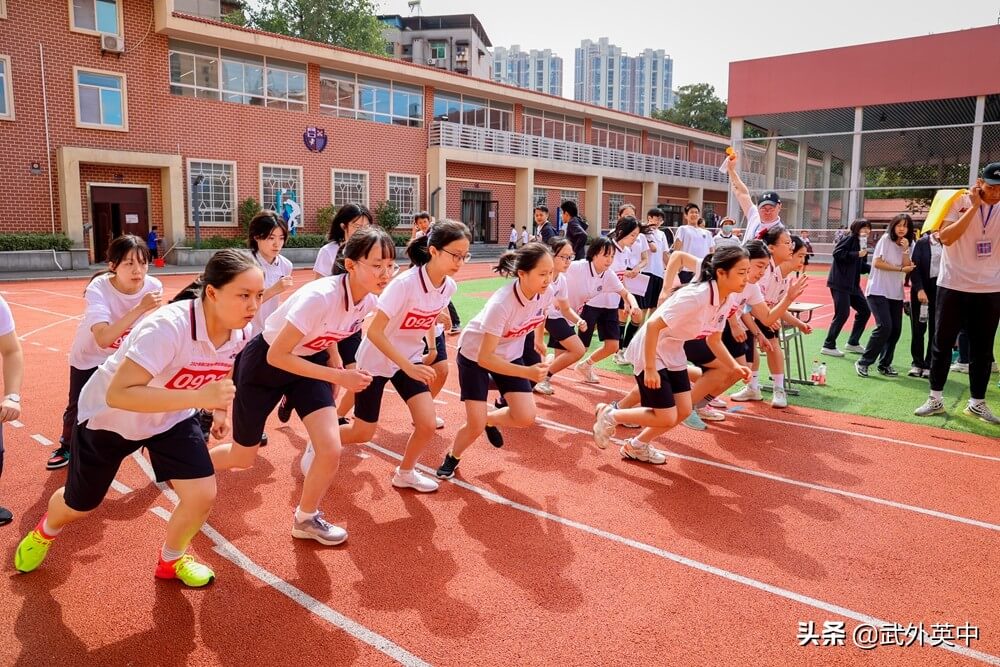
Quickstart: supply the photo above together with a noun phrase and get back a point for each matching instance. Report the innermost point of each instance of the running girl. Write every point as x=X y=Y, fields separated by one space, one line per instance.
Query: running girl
x=491 y=347
x=635 y=281
x=658 y=354
x=267 y=237
x=394 y=346
x=145 y=395
x=13 y=372
x=562 y=336
x=115 y=300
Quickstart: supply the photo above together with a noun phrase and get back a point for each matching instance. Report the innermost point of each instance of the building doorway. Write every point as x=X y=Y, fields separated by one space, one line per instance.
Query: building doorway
x=482 y=215
x=117 y=210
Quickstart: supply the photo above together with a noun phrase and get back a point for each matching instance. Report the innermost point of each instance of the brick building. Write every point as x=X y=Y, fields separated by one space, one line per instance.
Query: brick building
x=120 y=114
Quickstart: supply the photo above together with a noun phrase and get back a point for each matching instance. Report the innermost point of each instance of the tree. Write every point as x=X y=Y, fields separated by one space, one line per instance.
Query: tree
x=348 y=23
x=698 y=107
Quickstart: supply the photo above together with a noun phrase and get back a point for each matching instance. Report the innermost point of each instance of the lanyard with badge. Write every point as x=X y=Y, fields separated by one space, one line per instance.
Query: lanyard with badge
x=984 y=247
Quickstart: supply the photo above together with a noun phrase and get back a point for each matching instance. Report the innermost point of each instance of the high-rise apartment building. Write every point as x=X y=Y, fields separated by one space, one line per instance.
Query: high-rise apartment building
x=606 y=76
x=538 y=70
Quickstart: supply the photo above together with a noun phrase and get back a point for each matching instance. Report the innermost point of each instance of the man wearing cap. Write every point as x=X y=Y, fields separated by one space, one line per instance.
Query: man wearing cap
x=968 y=293
x=760 y=217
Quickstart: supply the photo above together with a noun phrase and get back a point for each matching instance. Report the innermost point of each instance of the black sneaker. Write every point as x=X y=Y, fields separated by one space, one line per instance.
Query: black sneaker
x=888 y=371
x=263 y=439
x=447 y=469
x=6 y=516
x=494 y=436
x=343 y=421
x=861 y=369
x=500 y=403
x=59 y=458
x=284 y=410
x=455 y=330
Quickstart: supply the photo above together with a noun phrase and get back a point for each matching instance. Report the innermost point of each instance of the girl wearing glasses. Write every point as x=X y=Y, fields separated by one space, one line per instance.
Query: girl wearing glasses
x=562 y=336
x=296 y=356
x=393 y=348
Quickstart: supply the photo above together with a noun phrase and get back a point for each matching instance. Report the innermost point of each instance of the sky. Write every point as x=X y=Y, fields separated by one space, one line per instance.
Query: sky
x=704 y=37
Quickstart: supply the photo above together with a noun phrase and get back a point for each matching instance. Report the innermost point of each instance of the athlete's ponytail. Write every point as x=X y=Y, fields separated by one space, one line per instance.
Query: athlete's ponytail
x=723 y=259
x=525 y=259
x=440 y=234
x=221 y=270
x=757 y=249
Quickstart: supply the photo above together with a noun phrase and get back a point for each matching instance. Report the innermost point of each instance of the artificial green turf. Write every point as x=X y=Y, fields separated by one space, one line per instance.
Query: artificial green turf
x=876 y=396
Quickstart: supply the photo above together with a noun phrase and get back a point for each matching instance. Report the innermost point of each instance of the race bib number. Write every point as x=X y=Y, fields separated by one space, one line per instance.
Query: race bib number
x=418 y=321
x=321 y=343
x=194 y=379
x=118 y=341
x=523 y=330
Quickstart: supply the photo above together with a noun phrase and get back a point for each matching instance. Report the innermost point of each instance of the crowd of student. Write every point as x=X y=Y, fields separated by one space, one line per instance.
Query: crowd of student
x=691 y=315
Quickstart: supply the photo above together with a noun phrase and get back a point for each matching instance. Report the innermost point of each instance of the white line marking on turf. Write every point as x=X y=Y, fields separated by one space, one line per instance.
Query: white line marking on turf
x=693 y=564
x=15 y=423
x=66 y=296
x=230 y=552
x=42 y=440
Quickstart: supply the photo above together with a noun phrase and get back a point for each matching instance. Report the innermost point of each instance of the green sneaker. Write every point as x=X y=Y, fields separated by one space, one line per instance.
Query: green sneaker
x=31 y=551
x=187 y=569
x=695 y=422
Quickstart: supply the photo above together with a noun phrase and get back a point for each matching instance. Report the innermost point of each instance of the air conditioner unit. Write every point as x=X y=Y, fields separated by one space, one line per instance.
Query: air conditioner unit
x=113 y=43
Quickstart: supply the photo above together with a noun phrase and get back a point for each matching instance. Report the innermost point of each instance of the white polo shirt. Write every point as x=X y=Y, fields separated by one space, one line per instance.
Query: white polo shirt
x=325 y=259
x=756 y=228
x=888 y=284
x=560 y=291
x=773 y=285
x=172 y=344
x=412 y=304
x=584 y=283
x=510 y=316
x=963 y=266
x=273 y=272
x=322 y=310
x=688 y=313
x=656 y=266
x=623 y=261
x=105 y=304
x=750 y=296
x=6 y=318
x=695 y=240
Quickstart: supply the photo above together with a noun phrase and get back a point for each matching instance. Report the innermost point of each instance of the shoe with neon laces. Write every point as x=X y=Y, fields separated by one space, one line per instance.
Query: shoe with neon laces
x=284 y=410
x=639 y=451
x=779 y=398
x=32 y=550
x=447 y=469
x=982 y=411
x=604 y=426
x=413 y=479
x=545 y=388
x=694 y=422
x=319 y=529
x=932 y=406
x=189 y=571
x=586 y=371
x=748 y=393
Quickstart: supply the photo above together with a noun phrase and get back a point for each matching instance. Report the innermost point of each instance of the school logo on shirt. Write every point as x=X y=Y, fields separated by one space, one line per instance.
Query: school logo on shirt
x=118 y=341
x=418 y=320
x=188 y=378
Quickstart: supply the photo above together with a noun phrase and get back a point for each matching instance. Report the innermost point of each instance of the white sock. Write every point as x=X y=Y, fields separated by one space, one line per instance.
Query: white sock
x=937 y=395
x=400 y=471
x=779 y=380
x=302 y=517
x=49 y=530
x=612 y=416
x=169 y=555
x=755 y=380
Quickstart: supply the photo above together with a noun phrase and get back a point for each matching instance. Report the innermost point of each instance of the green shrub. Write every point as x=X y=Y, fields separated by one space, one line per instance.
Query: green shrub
x=30 y=241
x=386 y=215
x=324 y=218
x=306 y=241
x=217 y=243
x=248 y=209
x=401 y=240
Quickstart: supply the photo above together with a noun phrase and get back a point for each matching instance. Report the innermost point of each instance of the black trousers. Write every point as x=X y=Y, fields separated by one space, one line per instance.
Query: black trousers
x=843 y=302
x=889 y=325
x=920 y=350
x=976 y=313
x=455 y=320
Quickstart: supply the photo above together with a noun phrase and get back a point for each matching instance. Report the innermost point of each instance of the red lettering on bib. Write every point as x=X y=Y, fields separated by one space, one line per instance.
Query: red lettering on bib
x=418 y=320
x=322 y=342
x=187 y=378
x=523 y=330
x=118 y=341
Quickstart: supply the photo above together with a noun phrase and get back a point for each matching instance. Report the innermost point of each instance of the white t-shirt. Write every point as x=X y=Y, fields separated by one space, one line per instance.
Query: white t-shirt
x=560 y=291
x=623 y=260
x=510 y=316
x=513 y=235
x=962 y=267
x=412 y=305
x=688 y=313
x=104 y=304
x=756 y=228
x=325 y=258
x=886 y=283
x=6 y=318
x=750 y=296
x=172 y=344
x=584 y=283
x=273 y=272
x=524 y=236
x=638 y=284
x=323 y=312
x=773 y=285
x=724 y=241
x=656 y=266
x=936 y=251
x=695 y=240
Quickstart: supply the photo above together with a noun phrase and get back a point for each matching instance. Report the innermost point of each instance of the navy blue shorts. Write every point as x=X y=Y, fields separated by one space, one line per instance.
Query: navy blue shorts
x=653 y=290
x=768 y=332
x=604 y=320
x=685 y=276
x=698 y=352
x=475 y=380
x=671 y=383
x=737 y=349
x=559 y=330
x=260 y=386
x=530 y=356
x=179 y=452
x=440 y=346
x=348 y=348
x=368 y=402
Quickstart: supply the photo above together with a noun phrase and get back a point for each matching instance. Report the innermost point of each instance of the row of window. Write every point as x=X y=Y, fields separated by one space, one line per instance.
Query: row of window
x=212 y=190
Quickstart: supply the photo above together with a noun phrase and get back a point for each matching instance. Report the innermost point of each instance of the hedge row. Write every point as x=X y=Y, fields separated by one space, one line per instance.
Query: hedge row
x=34 y=242
x=297 y=241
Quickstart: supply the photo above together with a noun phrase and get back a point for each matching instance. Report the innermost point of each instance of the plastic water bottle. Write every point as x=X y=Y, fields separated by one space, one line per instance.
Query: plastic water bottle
x=924 y=312
x=822 y=373
x=814 y=377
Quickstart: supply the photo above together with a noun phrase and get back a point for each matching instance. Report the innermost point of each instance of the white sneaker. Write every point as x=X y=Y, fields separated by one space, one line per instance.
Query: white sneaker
x=959 y=367
x=544 y=387
x=718 y=403
x=915 y=371
x=438 y=423
x=550 y=357
x=307 y=458
x=831 y=352
x=932 y=406
x=748 y=393
x=638 y=451
x=586 y=371
x=604 y=427
x=982 y=411
x=857 y=349
x=779 y=399
x=413 y=479
x=619 y=358
x=710 y=415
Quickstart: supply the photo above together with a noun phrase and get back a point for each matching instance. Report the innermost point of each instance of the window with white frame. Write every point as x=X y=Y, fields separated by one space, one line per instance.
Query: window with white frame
x=619 y=138
x=3 y=9
x=279 y=180
x=570 y=195
x=466 y=110
x=95 y=16
x=208 y=72
x=614 y=201
x=539 y=197
x=101 y=100
x=378 y=100
x=6 y=90
x=212 y=192
x=667 y=147
x=349 y=187
x=553 y=126
x=404 y=191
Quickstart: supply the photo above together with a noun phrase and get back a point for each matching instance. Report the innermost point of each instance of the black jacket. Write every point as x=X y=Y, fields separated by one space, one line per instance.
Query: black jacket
x=920 y=276
x=848 y=266
x=546 y=232
x=576 y=232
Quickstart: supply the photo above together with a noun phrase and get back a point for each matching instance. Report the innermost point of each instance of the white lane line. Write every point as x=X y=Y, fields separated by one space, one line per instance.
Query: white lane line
x=66 y=296
x=230 y=552
x=52 y=349
x=50 y=325
x=15 y=423
x=120 y=488
x=42 y=440
x=40 y=310
x=693 y=564
x=36 y=344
